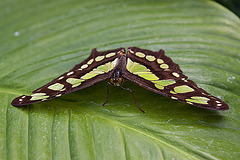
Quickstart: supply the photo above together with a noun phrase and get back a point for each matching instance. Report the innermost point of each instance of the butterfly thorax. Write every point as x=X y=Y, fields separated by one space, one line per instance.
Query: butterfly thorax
x=116 y=78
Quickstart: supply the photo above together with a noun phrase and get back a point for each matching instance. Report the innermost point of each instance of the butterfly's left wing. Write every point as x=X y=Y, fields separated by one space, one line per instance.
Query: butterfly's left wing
x=158 y=73
x=97 y=67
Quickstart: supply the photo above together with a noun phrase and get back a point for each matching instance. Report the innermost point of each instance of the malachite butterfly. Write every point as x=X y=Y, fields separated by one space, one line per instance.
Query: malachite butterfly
x=151 y=70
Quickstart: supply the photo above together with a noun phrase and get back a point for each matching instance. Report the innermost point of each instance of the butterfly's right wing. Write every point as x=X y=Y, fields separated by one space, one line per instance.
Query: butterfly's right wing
x=158 y=73
x=96 y=68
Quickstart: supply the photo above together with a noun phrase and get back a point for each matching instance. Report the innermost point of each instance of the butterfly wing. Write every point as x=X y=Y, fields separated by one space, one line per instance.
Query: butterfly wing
x=97 y=67
x=158 y=73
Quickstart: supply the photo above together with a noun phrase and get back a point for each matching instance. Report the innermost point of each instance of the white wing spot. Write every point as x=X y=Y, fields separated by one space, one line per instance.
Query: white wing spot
x=60 y=78
x=164 y=66
x=84 y=66
x=150 y=58
x=99 y=58
x=58 y=95
x=20 y=100
x=130 y=51
x=90 y=61
x=63 y=89
x=174 y=97
x=38 y=90
x=70 y=73
x=160 y=61
x=219 y=104
x=23 y=96
x=110 y=54
x=175 y=74
x=139 y=54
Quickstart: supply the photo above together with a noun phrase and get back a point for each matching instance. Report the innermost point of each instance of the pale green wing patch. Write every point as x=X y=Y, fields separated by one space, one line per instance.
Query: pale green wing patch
x=37 y=96
x=103 y=68
x=140 y=70
x=162 y=83
x=107 y=67
x=89 y=75
x=150 y=76
x=165 y=82
x=183 y=89
x=74 y=81
x=129 y=64
x=198 y=99
x=56 y=86
x=143 y=72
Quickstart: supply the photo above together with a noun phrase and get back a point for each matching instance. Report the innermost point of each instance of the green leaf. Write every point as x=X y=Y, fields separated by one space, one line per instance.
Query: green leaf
x=42 y=39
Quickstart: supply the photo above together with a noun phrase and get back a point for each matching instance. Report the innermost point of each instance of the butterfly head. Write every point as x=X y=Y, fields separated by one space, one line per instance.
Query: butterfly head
x=116 y=79
x=121 y=52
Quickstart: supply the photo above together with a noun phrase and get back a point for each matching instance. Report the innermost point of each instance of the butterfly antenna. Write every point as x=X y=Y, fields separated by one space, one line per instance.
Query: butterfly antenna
x=128 y=89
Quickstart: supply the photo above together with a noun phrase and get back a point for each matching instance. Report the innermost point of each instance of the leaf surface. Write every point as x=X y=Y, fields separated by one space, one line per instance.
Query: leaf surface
x=42 y=39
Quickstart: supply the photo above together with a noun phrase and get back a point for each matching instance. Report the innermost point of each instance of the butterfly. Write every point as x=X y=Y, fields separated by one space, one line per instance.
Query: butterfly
x=151 y=70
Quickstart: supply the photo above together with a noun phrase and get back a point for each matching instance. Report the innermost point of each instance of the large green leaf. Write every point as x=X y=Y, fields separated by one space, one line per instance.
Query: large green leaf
x=43 y=39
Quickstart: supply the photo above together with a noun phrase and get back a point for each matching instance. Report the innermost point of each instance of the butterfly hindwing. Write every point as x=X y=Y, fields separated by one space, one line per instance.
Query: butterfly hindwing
x=157 y=72
x=97 y=67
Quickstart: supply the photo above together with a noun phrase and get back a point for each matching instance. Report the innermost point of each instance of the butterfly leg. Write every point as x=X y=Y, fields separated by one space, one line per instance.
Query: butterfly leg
x=128 y=89
x=107 y=93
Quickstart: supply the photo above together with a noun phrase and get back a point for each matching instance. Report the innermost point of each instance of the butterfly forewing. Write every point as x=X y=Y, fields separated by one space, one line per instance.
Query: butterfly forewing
x=97 y=67
x=157 y=72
